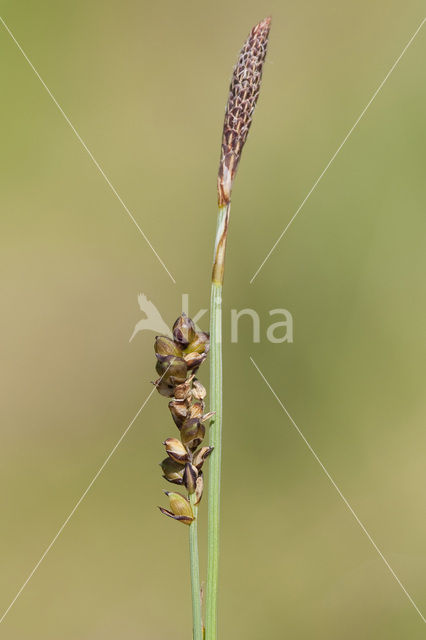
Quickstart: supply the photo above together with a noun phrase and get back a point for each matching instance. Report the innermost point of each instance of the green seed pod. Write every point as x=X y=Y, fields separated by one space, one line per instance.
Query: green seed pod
x=180 y=509
x=201 y=456
x=172 y=369
x=184 y=331
x=179 y=412
x=164 y=346
x=172 y=471
x=190 y=476
x=192 y=433
x=175 y=450
x=201 y=344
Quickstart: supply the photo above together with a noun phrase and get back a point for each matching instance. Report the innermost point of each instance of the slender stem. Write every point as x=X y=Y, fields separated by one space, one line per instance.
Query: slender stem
x=215 y=462
x=197 y=630
x=216 y=424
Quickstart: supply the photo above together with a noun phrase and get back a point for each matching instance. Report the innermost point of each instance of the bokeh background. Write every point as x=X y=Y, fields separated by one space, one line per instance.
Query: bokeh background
x=145 y=85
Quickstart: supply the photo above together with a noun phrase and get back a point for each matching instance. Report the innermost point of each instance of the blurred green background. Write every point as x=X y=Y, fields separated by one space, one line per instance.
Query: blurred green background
x=145 y=85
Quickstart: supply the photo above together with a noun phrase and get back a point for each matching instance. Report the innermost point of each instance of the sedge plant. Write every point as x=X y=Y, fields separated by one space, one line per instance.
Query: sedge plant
x=179 y=357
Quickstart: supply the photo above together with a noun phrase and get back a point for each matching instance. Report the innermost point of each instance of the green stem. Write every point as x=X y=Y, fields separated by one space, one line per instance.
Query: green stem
x=215 y=425
x=197 y=630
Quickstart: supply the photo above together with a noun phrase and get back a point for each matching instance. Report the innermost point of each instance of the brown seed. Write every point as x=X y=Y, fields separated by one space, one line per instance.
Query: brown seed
x=198 y=390
x=190 y=476
x=184 y=330
x=192 y=433
x=201 y=456
x=172 y=471
x=175 y=450
x=196 y=410
x=183 y=391
x=199 y=489
x=164 y=388
x=179 y=412
x=194 y=360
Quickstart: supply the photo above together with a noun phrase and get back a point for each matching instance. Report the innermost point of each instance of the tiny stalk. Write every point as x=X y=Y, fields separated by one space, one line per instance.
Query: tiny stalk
x=243 y=95
x=197 y=625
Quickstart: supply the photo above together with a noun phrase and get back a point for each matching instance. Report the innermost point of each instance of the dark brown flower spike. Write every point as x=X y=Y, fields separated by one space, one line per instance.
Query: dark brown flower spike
x=243 y=95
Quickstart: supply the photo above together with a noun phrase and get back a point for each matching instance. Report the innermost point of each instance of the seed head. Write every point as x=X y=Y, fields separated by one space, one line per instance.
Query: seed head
x=177 y=360
x=243 y=95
